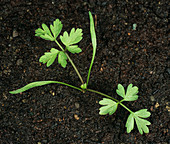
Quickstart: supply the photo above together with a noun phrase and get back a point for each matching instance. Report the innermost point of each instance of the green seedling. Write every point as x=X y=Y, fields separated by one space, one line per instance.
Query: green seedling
x=70 y=40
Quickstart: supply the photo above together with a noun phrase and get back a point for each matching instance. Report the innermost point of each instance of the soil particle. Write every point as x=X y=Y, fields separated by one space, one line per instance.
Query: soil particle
x=14 y=33
x=19 y=62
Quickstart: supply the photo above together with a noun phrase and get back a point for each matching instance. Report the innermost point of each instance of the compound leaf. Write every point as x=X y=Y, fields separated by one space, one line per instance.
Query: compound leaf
x=141 y=123
x=49 y=57
x=74 y=49
x=109 y=107
x=74 y=37
x=56 y=27
x=62 y=59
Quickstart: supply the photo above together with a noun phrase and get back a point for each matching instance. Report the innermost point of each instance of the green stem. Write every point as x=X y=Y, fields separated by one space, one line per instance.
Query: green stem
x=102 y=94
x=71 y=62
x=119 y=102
x=68 y=85
x=125 y=107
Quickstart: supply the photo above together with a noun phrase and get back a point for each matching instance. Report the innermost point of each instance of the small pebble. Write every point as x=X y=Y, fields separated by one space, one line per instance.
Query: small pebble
x=157 y=105
x=152 y=98
x=77 y=105
x=14 y=33
x=19 y=62
x=168 y=108
x=24 y=100
x=76 y=117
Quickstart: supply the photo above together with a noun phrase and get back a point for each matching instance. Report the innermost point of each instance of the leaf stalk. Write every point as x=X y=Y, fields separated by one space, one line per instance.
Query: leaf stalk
x=72 y=63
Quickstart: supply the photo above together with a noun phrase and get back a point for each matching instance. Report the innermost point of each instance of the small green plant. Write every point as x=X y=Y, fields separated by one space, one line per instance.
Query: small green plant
x=109 y=104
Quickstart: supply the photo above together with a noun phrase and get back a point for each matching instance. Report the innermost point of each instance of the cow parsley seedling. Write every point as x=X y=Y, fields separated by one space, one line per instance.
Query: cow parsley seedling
x=70 y=40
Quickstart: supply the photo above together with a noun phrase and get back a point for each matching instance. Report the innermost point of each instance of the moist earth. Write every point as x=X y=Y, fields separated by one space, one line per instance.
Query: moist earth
x=56 y=114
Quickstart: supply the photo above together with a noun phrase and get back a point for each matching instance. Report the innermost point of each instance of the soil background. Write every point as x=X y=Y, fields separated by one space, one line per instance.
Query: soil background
x=55 y=114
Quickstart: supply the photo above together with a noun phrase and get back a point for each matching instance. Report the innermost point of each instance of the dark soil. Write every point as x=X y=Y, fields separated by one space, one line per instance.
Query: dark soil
x=55 y=114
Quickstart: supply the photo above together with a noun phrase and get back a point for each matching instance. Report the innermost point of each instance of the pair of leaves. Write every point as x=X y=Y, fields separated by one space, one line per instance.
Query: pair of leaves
x=45 y=32
x=131 y=92
x=69 y=40
x=141 y=123
x=49 y=57
x=109 y=107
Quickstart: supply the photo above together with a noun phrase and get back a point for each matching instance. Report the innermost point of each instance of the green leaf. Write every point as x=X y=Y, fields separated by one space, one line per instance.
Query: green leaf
x=74 y=49
x=39 y=32
x=130 y=123
x=44 y=33
x=46 y=29
x=46 y=37
x=62 y=59
x=121 y=91
x=40 y=83
x=94 y=44
x=93 y=34
x=109 y=108
x=143 y=113
x=31 y=85
x=141 y=123
x=56 y=28
x=131 y=92
x=74 y=37
x=49 y=57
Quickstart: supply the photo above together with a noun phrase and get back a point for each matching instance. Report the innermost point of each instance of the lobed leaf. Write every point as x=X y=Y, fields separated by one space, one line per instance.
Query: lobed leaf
x=46 y=30
x=141 y=123
x=143 y=113
x=56 y=28
x=131 y=92
x=44 y=33
x=121 y=91
x=130 y=123
x=69 y=39
x=39 y=32
x=49 y=57
x=109 y=107
x=62 y=59
x=74 y=49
